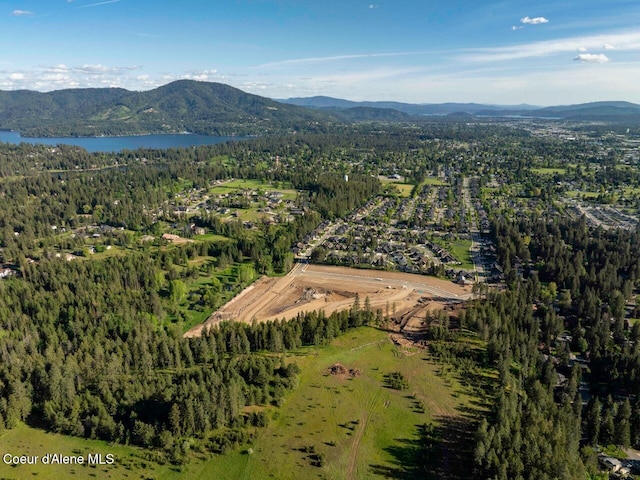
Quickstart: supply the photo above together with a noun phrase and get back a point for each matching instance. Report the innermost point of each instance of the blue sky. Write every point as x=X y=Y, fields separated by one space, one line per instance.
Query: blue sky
x=419 y=51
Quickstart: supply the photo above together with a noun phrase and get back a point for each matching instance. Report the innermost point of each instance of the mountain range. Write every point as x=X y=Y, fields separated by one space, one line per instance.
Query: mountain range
x=321 y=102
x=603 y=111
x=218 y=109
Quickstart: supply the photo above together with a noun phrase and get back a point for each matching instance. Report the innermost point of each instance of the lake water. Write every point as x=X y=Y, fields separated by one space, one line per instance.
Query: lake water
x=117 y=144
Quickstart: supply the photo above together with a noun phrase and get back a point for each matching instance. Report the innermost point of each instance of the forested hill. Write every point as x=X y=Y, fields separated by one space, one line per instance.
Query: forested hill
x=613 y=112
x=184 y=105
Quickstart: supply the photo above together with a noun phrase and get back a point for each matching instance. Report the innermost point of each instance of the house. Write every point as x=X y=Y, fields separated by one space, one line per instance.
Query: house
x=171 y=237
x=613 y=465
x=463 y=279
x=5 y=272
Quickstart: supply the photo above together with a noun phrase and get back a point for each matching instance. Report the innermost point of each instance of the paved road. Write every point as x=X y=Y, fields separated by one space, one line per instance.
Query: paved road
x=476 y=236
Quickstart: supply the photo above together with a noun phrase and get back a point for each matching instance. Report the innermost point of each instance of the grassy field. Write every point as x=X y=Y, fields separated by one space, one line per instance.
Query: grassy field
x=235 y=186
x=229 y=280
x=404 y=188
x=438 y=182
x=211 y=237
x=129 y=462
x=578 y=193
x=549 y=171
x=459 y=249
x=359 y=426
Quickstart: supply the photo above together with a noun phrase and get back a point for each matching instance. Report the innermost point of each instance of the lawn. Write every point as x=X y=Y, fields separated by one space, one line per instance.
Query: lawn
x=404 y=189
x=549 y=171
x=459 y=249
x=438 y=182
x=579 y=193
x=211 y=237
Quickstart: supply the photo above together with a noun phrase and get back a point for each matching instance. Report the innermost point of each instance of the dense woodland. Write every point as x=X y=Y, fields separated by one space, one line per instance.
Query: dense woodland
x=576 y=280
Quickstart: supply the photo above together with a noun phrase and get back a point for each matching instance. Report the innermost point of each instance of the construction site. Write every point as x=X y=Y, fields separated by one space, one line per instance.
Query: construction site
x=406 y=298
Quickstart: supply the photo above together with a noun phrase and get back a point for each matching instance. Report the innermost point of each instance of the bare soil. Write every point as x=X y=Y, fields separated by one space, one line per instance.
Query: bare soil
x=403 y=296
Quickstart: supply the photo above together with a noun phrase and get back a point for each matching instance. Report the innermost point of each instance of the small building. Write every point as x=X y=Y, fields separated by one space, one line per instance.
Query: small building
x=5 y=272
x=171 y=237
x=613 y=465
x=463 y=279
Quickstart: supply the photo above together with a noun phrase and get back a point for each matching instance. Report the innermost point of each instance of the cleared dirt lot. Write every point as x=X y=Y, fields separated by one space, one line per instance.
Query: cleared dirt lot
x=319 y=287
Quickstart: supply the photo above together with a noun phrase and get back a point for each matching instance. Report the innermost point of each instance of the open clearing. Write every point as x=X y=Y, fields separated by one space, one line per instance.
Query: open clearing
x=404 y=296
x=356 y=423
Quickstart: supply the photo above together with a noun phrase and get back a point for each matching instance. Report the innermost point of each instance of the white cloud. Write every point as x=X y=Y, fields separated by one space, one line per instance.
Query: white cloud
x=534 y=21
x=21 y=13
x=107 y=2
x=515 y=27
x=625 y=41
x=61 y=67
x=372 y=6
x=56 y=77
x=592 y=58
x=93 y=69
x=312 y=60
x=608 y=46
x=208 y=75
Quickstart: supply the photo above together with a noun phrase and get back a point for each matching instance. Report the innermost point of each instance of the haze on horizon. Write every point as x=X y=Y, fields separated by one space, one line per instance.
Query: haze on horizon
x=548 y=53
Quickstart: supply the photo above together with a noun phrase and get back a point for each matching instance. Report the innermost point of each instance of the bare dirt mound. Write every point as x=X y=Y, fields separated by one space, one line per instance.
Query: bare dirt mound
x=339 y=370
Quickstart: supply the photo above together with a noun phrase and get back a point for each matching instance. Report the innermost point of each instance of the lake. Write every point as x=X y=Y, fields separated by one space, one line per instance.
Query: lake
x=117 y=144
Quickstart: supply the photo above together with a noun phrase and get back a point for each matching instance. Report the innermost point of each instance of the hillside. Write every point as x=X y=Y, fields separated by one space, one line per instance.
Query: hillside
x=185 y=105
x=614 y=112
x=321 y=102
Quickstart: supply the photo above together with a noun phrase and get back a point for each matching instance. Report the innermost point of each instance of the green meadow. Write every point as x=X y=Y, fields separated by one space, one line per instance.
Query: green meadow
x=405 y=189
x=128 y=462
x=438 y=182
x=357 y=425
x=549 y=171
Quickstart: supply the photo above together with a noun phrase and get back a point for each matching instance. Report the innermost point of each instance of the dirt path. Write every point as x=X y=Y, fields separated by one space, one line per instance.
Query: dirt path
x=359 y=434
